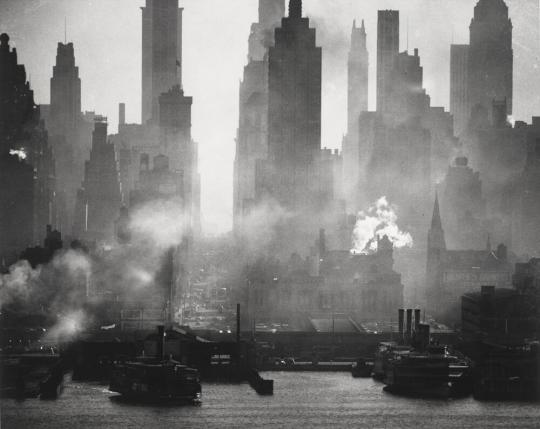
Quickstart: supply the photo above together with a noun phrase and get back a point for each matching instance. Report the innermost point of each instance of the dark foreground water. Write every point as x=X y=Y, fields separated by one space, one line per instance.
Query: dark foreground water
x=301 y=400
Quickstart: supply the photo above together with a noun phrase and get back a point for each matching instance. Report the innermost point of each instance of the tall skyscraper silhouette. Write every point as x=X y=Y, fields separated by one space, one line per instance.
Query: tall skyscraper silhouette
x=294 y=116
x=387 y=50
x=358 y=68
x=102 y=191
x=27 y=201
x=357 y=102
x=459 y=99
x=252 y=141
x=65 y=125
x=65 y=111
x=161 y=53
x=491 y=57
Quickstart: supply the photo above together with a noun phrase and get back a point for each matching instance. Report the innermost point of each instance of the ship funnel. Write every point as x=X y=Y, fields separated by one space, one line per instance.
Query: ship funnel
x=161 y=342
x=409 y=324
x=416 y=320
x=401 y=317
x=422 y=336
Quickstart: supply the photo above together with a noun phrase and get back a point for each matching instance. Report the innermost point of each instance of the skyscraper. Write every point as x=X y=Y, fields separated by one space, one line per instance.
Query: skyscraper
x=64 y=126
x=387 y=50
x=294 y=116
x=491 y=57
x=102 y=192
x=65 y=112
x=161 y=53
x=357 y=102
x=176 y=142
x=358 y=68
x=459 y=101
x=251 y=141
x=27 y=202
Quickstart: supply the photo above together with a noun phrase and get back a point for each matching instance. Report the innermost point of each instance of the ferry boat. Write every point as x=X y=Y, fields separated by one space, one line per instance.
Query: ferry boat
x=434 y=372
x=153 y=380
x=387 y=351
x=156 y=378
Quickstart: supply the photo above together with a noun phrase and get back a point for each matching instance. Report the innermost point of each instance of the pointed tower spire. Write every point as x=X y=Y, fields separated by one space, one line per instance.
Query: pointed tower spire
x=295 y=9
x=436 y=238
x=363 y=28
x=436 y=219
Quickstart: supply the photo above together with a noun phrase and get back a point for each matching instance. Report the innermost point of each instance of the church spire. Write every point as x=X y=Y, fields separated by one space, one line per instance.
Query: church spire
x=436 y=219
x=436 y=238
x=295 y=9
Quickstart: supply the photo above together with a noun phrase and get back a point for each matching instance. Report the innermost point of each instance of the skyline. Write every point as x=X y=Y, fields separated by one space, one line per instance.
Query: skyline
x=114 y=50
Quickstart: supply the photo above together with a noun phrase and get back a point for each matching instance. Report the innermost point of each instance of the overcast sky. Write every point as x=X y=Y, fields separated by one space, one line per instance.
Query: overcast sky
x=107 y=38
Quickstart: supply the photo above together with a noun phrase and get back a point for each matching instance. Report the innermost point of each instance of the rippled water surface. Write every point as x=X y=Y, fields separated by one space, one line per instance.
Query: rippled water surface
x=301 y=400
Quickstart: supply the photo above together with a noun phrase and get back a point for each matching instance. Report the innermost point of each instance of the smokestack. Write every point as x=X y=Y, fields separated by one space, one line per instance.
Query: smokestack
x=409 y=324
x=401 y=316
x=238 y=323
x=416 y=320
x=121 y=114
x=161 y=342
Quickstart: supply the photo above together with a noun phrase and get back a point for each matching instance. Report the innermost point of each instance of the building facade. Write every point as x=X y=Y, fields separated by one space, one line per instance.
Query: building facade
x=102 y=193
x=329 y=283
x=65 y=126
x=491 y=57
x=252 y=137
x=294 y=112
x=27 y=198
x=161 y=53
x=459 y=99
x=387 y=50
x=357 y=102
x=453 y=273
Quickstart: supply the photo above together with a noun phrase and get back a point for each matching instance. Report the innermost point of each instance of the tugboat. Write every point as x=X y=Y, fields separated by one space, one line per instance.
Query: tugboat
x=156 y=379
x=420 y=367
x=386 y=351
x=430 y=373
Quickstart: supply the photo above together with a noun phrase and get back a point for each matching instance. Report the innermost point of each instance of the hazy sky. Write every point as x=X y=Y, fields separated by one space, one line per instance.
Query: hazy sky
x=107 y=38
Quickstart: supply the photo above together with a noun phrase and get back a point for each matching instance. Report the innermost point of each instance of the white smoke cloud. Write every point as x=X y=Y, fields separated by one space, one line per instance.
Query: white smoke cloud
x=378 y=220
x=67 y=327
x=160 y=222
x=21 y=153
x=18 y=283
x=133 y=269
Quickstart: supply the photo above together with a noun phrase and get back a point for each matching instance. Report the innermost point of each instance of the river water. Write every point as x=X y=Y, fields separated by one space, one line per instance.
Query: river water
x=300 y=400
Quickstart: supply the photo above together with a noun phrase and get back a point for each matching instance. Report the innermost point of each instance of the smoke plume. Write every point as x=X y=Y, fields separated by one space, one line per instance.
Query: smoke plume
x=378 y=220
x=128 y=269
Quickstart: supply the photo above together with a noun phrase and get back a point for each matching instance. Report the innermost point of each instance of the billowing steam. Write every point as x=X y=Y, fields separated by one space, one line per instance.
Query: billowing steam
x=154 y=228
x=18 y=283
x=62 y=288
x=56 y=289
x=21 y=153
x=67 y=327
x=159 y=223
x=378 y=220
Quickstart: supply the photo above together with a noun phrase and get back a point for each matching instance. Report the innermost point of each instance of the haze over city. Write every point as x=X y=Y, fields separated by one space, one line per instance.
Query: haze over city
x=107 y=38
x=270 y=213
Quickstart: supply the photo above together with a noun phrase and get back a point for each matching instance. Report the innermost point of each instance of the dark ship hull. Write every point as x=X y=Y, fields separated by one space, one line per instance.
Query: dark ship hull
x=156 y=381
x=425 y=375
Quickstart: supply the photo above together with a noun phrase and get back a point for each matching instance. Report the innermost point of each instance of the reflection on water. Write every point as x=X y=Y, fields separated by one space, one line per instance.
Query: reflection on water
x=301 y=400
